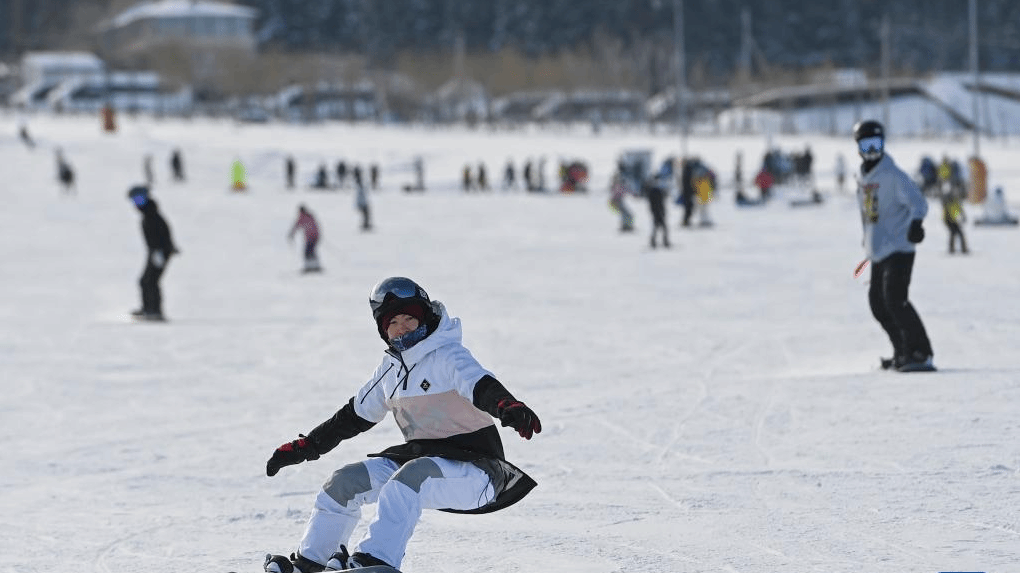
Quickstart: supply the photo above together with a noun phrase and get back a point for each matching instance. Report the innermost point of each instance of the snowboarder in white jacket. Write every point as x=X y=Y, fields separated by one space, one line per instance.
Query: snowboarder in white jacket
x=452 y=459
x=892 y=211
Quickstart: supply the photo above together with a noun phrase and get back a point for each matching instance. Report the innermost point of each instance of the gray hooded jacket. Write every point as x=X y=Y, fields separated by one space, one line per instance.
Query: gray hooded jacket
x=889 y=200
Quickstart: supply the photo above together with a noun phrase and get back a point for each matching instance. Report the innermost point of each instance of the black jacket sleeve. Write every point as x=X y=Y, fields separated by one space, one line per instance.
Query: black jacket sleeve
x=489 y=393
x=343 y=425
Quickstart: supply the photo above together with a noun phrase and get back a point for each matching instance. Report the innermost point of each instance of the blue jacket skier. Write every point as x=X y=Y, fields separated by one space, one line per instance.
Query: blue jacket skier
x=452 y=458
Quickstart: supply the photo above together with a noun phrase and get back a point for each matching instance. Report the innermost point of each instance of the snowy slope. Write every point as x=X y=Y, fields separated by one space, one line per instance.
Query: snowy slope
x=715 y=407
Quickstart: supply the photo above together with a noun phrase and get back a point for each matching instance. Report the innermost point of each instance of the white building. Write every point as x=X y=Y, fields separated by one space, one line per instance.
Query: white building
x=42 y=72
x=54 y=67
x=354 y=102
x=940 y=104
x=194 y=23
x=126 y=91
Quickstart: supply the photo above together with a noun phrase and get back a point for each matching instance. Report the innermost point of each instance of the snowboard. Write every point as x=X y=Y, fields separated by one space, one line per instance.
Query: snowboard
x=371 y=569
x=917 y=367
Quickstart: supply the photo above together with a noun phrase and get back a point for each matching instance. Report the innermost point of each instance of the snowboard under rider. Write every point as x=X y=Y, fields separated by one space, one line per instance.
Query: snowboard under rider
x=892 y=211
x=452 y=459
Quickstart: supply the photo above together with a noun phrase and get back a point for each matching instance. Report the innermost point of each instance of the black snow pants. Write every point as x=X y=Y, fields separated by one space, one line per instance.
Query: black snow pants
x=152 y=299
x=890 y=281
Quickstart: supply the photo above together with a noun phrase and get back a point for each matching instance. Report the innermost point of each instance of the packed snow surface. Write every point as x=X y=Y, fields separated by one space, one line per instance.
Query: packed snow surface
x=717 y=406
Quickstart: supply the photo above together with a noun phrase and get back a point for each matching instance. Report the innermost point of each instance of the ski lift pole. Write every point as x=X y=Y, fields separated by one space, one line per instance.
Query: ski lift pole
x=681 y=74
x=976 y=90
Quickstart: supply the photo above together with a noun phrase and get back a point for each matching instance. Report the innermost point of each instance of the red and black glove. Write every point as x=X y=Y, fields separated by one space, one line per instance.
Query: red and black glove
x=300 y=450
x=519 y=417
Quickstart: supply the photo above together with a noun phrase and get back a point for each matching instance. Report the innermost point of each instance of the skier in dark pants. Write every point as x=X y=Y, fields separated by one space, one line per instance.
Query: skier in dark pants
x=160 y=247
x=290 y=169
x=656 y=195
x=892 y=211
x=686 y=198
x=177 y=165
x=952 y=216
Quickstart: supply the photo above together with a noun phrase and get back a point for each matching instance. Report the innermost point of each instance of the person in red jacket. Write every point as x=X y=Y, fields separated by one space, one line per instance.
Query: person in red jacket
x=306 y=221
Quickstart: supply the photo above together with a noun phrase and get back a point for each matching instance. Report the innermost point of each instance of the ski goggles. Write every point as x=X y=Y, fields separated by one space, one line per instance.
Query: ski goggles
x=873 y=144
x=139 y=199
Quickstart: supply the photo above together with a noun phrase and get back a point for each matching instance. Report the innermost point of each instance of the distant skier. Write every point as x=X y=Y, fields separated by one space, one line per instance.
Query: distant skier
x=361 y=202
x=356 y=175
x=687 y=191
x=160 y=247
x=373 y=175
x=341 y=174
x=655 y=192
x=996 y=212
x=65 y=173
x=150 y=177
x=618 y=192
x=321 y=178
x=892 y=211
x=840 y=170
x=952 y=216
x=177 y=165
x=509 y=176
x=452 y=459
x=289 y=171
x=483 y=178
x=306 y=222
x=25 y=137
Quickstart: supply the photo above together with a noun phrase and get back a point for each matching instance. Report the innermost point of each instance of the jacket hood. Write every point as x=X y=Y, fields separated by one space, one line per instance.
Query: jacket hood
x=883 y=164
x=448 y=331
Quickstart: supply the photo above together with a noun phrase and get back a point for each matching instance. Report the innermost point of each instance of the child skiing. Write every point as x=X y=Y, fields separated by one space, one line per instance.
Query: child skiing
x=952 y=216
x=306 y=221
x=452 y=459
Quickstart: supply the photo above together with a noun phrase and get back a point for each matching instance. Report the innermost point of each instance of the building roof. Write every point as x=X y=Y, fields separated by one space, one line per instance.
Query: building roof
x=64 y=59
x=180 y=9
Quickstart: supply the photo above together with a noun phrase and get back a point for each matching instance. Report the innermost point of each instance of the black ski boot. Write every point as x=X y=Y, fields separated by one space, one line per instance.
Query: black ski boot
x=296 y=563
x=342 y=561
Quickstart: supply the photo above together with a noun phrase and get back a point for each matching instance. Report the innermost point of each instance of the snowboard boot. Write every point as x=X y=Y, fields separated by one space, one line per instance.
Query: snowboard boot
x=341 y=561
x=916 y=361
x=148 y=315
x=296 y=563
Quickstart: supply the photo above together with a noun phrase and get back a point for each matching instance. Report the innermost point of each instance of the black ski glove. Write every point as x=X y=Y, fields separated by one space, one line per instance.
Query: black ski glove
x=300 y=450
x=519 y=417
x=916 y=232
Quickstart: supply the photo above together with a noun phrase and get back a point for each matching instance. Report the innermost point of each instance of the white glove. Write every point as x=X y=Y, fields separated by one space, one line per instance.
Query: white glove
x=158 y=259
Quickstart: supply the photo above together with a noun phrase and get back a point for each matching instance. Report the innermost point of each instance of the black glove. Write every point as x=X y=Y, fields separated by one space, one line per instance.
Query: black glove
x=519 y=417
x=916 y=232
x=300 y=450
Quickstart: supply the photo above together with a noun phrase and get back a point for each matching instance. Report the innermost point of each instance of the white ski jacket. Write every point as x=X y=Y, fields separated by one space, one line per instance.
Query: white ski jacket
x=429 y=388
x=444 y=401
